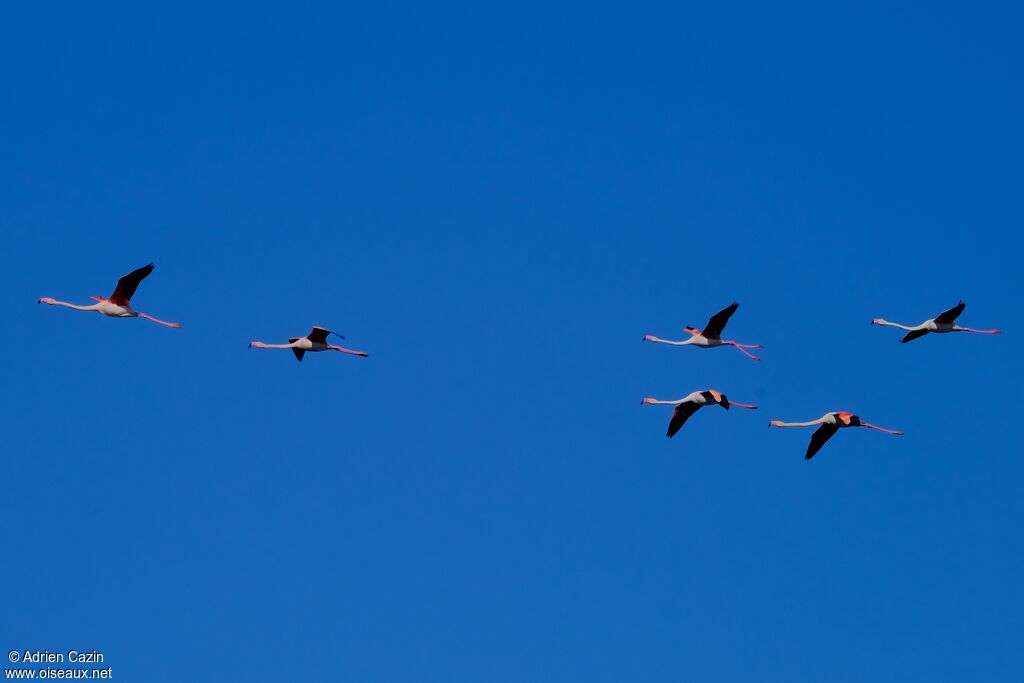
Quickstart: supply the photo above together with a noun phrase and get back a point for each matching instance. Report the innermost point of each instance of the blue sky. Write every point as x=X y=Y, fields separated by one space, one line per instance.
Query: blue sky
x=498 y=203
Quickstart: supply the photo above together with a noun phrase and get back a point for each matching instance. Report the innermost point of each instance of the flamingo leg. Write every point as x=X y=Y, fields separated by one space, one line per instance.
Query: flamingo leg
x=968 y=329
x=742 y=405
x=740 y=348
x=161 y=322
x=881 y=429
x=354 y=353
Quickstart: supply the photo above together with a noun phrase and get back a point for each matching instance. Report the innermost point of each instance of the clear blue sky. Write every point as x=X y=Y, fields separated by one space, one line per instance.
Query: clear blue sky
x=498 y=203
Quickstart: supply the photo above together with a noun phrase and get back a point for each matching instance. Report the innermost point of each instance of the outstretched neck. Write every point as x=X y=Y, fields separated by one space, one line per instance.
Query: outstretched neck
x=54 y=302
x=886 y=323
x=780 y=423
x=261 y=345
x=656 y=402
x=658 y=340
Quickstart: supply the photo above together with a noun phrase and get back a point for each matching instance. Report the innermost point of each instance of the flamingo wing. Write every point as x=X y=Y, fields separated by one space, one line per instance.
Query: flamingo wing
x=911 y=336
x=713 y=330
x=299 y=353
x=127 y=285
x=682 y=413
x=818 y=439
x=947 y=317
x=318 y=335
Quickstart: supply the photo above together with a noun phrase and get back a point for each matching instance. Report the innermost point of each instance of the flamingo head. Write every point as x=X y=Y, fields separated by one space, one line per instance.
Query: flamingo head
x=46 y=300
x=646 y=400
x=879 y=321
x=257 y=344
x=775 y=423
x=648 y=338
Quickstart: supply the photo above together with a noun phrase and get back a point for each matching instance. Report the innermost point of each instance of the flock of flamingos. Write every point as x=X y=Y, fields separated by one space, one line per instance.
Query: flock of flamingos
x=117 y=305
x=830 y=423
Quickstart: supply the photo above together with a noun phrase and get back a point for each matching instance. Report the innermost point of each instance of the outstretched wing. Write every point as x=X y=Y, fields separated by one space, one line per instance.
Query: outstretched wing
x=713 y=330
x=318 y=335
x=680 y=416
x=818 y=439
x=911 y=336
x=947 y=317
x=127 y=285
x=299 y=353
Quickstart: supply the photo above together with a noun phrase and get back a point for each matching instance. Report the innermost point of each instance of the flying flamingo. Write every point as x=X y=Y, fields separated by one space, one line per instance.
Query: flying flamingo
x=830 y=424
x=940 y=324
x=314 y=341
x=711 y=335
x=687 y=406
x=116 y=306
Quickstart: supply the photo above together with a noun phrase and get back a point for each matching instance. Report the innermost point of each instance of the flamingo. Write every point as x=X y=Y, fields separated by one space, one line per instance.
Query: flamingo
x=711 y=335
x=688 y=405
x=314 y=341
x=830 y=424
x=940 y=324
x=117 y=306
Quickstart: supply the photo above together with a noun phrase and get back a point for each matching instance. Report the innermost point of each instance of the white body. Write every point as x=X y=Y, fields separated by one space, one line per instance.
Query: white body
x=307 y=345
x=702 y=342
x=114 y=310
